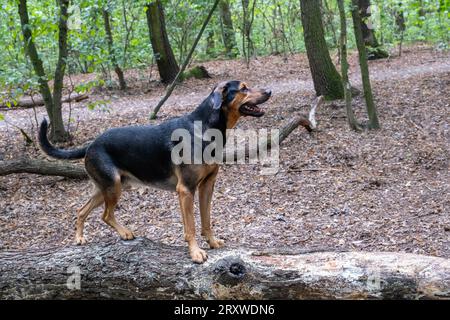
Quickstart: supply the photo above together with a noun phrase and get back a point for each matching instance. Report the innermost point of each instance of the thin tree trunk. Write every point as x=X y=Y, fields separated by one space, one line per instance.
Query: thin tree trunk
x=165 y=59
x=112 y=54
x=368 y=32
x=228 y=35
x=327 y=81
x=143 y=269
x=57 y=132
x=186 y=62
x=368 y=96
x=352 y=122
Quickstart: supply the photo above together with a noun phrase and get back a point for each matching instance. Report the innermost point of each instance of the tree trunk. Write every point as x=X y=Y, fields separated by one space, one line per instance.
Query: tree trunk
x=370 y=105
x=38 y=101
x=167 y=65
x=210 y=44
x=352 y=122
x=178 y=76
x=143 y=269
x=57 y=133
x=228 y=36
x=43 y=167
x=327 y=81
x=112 y=54
x=375 y=49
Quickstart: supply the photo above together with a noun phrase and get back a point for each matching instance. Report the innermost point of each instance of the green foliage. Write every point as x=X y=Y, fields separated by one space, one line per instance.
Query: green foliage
x=276 y=29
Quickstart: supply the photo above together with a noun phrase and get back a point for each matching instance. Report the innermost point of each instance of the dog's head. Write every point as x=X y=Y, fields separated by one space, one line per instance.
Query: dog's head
x=237 y=99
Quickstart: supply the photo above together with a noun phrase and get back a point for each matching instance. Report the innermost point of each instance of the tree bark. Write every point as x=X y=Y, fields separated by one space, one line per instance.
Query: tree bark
x=376 y=51
x=165 y=59
x=370 y=105
x=112 y=54
x=171 y=87
x=58 y=132
x=143 y=269
x=228 y=35
x=327 y=81
x=43 y=167
x=351 y=119
x=38 y=101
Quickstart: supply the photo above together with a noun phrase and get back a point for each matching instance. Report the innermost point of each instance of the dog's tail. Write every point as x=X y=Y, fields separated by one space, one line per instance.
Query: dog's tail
x=54 y=152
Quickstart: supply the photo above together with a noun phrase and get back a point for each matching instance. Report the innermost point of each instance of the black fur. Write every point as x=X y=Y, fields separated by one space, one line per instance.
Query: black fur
x=54 y=152
x=142 y=151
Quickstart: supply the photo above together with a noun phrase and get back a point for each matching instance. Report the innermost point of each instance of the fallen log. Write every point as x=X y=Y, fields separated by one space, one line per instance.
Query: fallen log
x=38 y=101
x=143 y=269
x=43 y=167
x=71 y=170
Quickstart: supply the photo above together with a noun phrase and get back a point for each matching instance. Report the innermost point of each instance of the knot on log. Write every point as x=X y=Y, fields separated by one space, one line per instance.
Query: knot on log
x=230 y=270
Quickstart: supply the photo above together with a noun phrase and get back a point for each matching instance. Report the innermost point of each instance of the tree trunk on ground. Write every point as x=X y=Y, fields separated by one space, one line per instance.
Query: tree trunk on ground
x=351 y=119
x=376 y=51
x=38 y=101
x=112 y=54
x=327 y=81
x=165 y=59
x=228 y=35
x=58 y=132
x=43 y=167
x=368 y=96
x=143 y=269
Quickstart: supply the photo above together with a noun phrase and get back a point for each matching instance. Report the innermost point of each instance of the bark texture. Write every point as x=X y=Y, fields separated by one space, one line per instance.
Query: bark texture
x=228 y=35
x=375 y=50
x=38 y=101
x=44 y=167
x=327 y=81
x=368 y=96
x=58 y=132
x=112 y=54
x=165 y=59
x=143 y=269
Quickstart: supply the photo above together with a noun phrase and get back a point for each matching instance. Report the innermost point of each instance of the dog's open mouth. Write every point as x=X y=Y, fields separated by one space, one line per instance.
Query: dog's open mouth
x=251 y=110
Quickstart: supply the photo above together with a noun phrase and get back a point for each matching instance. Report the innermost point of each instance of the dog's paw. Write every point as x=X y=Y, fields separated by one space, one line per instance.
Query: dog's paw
x=198 y=255
x=126 y=234
x=216 y=243
x=80 y=240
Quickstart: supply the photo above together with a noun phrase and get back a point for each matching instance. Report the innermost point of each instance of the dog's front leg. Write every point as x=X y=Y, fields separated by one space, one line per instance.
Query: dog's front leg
x=186 y=197
x=205 y=191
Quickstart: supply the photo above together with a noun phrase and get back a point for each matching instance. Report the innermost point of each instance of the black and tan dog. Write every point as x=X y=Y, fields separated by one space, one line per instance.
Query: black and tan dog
x=122 y=156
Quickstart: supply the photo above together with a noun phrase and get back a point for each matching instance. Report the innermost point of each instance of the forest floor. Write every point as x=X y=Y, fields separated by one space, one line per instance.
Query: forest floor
x=385 y=190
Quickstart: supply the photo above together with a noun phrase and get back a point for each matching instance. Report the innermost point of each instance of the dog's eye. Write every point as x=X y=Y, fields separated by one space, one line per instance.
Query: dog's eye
x=245 y=90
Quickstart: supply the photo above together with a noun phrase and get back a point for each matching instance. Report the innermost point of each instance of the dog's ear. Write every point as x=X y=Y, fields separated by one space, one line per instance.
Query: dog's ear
x=217 y=95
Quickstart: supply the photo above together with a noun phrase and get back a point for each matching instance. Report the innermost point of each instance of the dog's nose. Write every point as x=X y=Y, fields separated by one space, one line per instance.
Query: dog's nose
x=268 y=92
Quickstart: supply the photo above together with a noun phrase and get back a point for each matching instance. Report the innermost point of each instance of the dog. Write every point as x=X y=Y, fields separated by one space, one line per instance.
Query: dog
x=122 y=156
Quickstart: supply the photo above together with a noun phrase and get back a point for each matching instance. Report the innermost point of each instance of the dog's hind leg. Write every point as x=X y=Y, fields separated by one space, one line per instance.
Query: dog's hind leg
x=205 y=191
x=95 y=201
x=111 y=196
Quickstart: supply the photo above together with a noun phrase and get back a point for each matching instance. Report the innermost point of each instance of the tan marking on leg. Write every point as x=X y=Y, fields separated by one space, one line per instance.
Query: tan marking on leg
x=186 y=198
x=205 y=191
x=95 y=201
x=111 y=199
